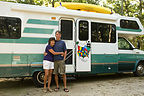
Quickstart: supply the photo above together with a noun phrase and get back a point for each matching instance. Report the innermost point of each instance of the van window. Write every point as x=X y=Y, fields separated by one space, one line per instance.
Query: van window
x=10 y=27
x=83 y=30
x=102 y=32
x=129 y=24
x=123 y=44
x=67 y=29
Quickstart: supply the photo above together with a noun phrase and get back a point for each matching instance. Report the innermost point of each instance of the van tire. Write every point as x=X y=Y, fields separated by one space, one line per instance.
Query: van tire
x=139 y=70
x=38 y=79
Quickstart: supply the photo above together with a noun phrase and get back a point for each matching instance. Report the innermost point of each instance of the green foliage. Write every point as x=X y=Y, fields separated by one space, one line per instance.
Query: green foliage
x=135 y=40
x=130 y=8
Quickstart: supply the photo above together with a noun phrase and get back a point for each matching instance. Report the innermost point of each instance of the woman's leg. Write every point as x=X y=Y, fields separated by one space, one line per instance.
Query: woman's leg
x=49 y=77
x=45 y=78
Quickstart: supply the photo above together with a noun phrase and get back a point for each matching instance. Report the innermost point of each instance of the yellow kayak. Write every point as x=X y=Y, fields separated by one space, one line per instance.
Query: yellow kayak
x=84 y=7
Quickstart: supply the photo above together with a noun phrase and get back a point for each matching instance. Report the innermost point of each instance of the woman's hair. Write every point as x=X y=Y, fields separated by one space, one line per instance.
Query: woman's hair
x=51 y=39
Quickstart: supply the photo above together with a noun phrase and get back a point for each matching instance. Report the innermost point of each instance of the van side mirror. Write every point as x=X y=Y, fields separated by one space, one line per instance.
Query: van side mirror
x=138 y=44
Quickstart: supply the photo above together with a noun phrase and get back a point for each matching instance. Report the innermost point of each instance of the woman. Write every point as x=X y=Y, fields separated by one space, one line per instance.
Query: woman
x=48 y=62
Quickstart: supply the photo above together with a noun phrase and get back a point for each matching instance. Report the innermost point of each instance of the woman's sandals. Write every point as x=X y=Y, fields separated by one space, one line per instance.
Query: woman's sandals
x=50 y=90
x=44 y=90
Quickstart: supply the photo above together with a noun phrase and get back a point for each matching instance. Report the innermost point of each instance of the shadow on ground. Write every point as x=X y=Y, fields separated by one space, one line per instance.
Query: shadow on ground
x=27 y=82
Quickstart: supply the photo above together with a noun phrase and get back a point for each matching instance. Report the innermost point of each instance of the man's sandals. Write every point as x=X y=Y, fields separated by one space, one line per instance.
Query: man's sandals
x=65 y=89
x=56 y=89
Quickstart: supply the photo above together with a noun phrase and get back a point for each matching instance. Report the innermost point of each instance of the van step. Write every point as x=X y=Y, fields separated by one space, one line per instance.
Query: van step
x=69 y=78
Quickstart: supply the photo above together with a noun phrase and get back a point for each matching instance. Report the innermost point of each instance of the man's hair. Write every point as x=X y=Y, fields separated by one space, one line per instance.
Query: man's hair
x=51 y=39
x=58 y=32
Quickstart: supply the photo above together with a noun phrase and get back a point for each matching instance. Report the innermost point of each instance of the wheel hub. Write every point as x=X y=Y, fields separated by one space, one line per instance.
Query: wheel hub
x=140 y=69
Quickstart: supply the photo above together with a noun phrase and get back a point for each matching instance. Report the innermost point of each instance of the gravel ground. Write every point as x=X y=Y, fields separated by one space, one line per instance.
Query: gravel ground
x=103 y=85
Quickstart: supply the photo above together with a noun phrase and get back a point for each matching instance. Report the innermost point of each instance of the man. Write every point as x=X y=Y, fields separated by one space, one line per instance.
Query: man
x=59 y=61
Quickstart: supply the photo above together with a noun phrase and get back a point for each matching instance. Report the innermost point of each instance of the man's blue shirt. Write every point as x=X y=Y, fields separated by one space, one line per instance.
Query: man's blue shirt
x=59 y=46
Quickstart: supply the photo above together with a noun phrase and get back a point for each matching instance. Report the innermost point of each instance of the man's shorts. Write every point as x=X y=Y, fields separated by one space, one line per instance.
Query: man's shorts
x=48 y=64
x=59 y=67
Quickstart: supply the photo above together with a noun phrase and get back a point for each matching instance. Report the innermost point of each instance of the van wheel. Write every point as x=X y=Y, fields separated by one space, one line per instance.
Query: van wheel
x=38 y=79
x=139 y=70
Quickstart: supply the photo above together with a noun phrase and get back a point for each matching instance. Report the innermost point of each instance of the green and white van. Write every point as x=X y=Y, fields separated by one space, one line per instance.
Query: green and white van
x=96 y=43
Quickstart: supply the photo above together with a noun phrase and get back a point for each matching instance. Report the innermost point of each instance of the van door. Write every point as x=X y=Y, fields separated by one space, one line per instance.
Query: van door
x=67 y=27
x=83 y=46
x=104 y=47
x=127 y=56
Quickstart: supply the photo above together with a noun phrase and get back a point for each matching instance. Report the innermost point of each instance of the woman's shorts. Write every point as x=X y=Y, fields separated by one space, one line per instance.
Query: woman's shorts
x=48 y=64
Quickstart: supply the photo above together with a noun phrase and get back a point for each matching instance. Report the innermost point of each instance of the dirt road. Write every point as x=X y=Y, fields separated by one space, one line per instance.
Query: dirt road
x=109 y=85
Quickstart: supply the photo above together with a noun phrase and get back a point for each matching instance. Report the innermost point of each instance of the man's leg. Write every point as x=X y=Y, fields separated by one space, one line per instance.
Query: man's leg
x=64 y=80
x=56 y=74
x=62 y=72
x=56 y=80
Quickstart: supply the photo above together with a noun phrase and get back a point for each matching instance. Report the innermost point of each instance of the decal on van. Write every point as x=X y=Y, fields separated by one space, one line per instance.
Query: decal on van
x=83 y=51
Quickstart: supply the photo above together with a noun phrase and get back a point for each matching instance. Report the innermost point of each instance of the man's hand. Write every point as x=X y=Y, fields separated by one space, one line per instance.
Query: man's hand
x=45 y=53
x=65 y=53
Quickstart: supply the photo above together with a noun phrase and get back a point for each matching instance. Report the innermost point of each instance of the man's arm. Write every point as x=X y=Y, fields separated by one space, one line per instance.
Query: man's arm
x=65 y=53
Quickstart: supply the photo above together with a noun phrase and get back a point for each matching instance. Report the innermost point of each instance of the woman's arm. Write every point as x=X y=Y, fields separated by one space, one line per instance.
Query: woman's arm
x=56 y=53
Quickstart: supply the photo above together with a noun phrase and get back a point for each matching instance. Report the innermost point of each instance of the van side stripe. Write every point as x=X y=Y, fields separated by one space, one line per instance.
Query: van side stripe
x=42 y=22
x=127 y=61
x=19 y=65
x=130 y=30
x=29 y=40
x=38 y=30
x=105 y=63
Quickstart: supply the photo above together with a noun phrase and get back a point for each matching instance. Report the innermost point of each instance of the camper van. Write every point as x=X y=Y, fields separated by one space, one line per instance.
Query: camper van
x=96 y=42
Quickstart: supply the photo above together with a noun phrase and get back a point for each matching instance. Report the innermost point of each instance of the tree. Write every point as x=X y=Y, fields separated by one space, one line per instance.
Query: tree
x=130 y=8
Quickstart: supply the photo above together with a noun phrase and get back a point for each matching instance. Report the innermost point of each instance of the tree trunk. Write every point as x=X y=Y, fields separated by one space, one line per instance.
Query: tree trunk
x=140 y=6
x=126 y=7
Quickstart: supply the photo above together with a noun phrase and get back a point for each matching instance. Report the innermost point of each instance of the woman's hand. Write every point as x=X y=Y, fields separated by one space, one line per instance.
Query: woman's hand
x=45 y=53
